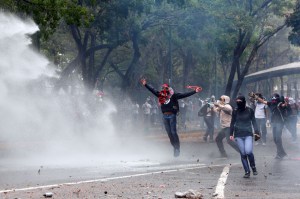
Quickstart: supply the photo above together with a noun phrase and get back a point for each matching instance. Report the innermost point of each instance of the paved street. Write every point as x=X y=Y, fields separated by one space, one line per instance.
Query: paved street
x=198 y=168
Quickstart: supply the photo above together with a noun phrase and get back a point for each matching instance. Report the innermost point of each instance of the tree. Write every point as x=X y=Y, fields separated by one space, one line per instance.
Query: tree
x=247 y=25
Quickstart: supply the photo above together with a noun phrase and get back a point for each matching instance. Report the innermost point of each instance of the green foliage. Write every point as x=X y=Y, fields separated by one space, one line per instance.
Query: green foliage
x=48 y=13
x=293 y=21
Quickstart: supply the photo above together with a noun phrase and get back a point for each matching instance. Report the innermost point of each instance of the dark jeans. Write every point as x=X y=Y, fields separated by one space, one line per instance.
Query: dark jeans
x=277 y=133
x=245 y=145
x=225 y=132
x=261 y=123
x=291 y=125
x=209 y=121
x=170 y=126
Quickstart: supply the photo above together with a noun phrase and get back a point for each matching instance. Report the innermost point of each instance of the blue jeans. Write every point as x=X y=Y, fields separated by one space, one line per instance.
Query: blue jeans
x=245 y=145
x=277 y=133
x=261 y=123
x=170 y=126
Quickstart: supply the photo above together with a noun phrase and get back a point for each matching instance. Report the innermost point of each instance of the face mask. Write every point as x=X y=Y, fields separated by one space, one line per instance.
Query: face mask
x=275 y=99
x=241 y=104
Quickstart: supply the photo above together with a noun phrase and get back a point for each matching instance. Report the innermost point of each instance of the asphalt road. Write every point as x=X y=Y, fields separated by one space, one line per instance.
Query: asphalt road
x=198 y=168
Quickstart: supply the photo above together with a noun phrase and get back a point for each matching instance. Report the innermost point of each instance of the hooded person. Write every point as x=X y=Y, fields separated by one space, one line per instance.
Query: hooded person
x=224 y=110
x=168 y=101
x=209 y=120
x=242 y=123
x=277 y=109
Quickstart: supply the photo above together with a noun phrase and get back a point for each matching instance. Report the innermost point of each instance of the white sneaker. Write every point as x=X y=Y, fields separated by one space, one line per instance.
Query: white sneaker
x=264 y=144
x=256 y=143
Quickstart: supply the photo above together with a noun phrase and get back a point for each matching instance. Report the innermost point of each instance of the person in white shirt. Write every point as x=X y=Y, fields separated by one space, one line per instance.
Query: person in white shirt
x=261 y=118
x=147 y=113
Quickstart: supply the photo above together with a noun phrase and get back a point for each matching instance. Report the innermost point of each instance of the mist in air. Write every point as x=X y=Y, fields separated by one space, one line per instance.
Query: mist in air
x=39 y=126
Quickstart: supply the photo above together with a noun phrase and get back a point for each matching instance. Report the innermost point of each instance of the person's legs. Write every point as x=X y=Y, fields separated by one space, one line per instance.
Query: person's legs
x=249 y=153
x=174 y=134
x=291 y=125
x=263 y=129
x=277 y=133
x=229 y=141
x=241 y=144
x=219 y=141
x=170 y=126
x=212 y=129
x=261 y=123
x=166 y=120
x=206 y=121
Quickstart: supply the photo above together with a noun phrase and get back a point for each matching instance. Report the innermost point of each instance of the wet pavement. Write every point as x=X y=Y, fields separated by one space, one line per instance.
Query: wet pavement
x=198 y=168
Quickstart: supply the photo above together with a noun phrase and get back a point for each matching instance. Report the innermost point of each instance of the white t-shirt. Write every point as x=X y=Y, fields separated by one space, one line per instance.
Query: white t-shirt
x=260 y=110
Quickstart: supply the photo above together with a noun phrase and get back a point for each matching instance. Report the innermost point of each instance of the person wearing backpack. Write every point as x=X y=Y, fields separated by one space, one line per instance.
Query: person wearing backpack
x=224 y=110
x=209 y=118
x=168 y=101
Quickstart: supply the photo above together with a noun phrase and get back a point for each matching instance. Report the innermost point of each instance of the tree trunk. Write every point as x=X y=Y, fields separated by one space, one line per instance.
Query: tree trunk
x=130 y=77
x=245 y=71
x=187 y=62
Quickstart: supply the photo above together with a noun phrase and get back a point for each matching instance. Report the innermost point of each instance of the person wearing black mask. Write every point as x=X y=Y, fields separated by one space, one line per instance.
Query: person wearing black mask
x=277 y=109
x=241 y=131
x=168 y=101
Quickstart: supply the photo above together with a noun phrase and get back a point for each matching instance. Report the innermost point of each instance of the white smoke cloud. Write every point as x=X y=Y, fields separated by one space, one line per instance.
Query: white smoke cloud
x=49 y=128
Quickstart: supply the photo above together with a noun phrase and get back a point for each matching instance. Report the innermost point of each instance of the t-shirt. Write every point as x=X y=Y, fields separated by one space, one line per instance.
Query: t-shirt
x=260 y=109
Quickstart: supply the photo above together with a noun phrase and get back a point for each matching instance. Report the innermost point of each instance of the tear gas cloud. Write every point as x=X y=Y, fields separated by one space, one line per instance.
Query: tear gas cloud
x=39 y=126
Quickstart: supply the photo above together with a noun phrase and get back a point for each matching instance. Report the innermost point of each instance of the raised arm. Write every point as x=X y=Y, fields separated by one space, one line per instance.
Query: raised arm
x=256 y=97
x=150 y=88
x=196 y=89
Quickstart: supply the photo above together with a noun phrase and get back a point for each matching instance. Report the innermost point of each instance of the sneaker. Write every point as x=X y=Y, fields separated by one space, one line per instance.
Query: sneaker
x=223 y=155
x=278 y=157
x=254 y=171
x=247 y=175
x=256 y=143
x=176 y=152
x=264 y=144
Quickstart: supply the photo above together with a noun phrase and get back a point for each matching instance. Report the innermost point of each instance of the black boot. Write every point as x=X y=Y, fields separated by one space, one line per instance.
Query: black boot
x=247 y=174
x=254 y=171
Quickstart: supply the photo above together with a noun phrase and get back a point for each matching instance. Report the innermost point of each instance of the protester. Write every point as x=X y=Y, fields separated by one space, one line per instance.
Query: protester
x=209 y=120
x=241 y=131
x=224 y=110
x=261 y=118
x=168 y=101
x=146 y=107
x=277 y=109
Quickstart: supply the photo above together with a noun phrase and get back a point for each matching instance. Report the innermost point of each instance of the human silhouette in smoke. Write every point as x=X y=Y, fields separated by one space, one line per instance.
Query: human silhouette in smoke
x=168 y=101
